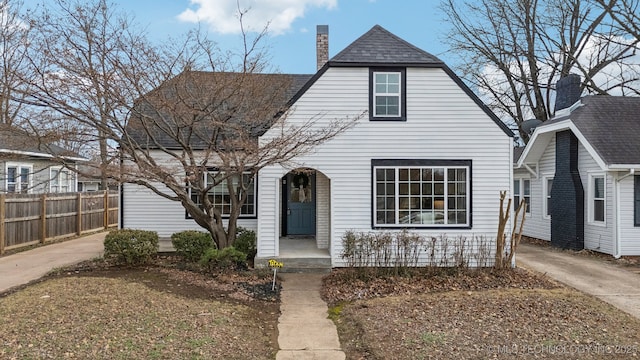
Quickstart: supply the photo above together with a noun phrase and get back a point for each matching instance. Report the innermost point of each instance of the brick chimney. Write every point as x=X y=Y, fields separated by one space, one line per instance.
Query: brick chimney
x=322 y=45
x=567 y=91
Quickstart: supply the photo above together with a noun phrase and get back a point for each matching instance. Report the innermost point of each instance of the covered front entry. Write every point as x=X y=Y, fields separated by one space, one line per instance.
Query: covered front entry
x=299 y=200
x=304 y=241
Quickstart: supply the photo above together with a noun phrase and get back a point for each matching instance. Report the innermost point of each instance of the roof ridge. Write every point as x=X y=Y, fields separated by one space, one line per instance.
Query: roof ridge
x=380 y=46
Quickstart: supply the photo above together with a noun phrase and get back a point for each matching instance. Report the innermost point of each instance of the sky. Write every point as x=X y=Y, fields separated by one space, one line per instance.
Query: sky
x=293 y=23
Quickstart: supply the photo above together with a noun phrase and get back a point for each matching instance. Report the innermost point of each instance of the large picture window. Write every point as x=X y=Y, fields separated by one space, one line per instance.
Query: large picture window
x=221 y=199
x=387 y=94
x=18 y=178
x=425 y=193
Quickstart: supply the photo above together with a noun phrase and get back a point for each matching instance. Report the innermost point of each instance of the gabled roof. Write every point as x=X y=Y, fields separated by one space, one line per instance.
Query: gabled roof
x=379 y=46
x=608 y=126
x=18 y=142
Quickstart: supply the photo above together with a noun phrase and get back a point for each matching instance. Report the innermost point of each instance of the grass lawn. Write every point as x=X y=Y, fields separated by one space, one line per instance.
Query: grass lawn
x=147 y=313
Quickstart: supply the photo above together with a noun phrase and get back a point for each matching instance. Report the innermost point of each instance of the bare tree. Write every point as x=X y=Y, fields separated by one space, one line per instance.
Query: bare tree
x=186 y=116
x=78 y=52
x=14 y=45
x=514 y=51
x=625 y=13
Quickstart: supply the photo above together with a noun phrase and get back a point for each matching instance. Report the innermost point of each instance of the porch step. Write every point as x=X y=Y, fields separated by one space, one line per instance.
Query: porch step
x=300 y=264
x=165 y=245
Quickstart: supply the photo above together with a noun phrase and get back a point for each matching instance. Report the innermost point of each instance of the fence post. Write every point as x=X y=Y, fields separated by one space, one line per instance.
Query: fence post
x=105 y=218
x=79 y=209
x=43 y=221
x=2 y=216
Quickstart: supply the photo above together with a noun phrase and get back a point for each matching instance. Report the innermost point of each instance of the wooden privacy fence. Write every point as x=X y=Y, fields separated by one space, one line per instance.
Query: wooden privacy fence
x=27 y=219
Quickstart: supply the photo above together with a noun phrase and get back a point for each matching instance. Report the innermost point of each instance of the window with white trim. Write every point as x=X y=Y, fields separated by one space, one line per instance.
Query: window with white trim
x=61 y=180
x=636 y=200
x=387 y=99
x=221 y=199
x=522 y=191
x=18 y=179
x=597 y=196
x=547 y=184
x=417 y=195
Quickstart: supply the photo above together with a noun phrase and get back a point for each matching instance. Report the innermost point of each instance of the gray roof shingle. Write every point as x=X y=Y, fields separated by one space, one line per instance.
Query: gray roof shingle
x=13 y=139
x=223 y=101
x=611 y=124
x=379 y=46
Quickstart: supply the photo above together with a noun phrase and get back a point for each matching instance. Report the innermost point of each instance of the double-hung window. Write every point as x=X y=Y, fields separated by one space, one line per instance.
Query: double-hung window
x=522 y=191
x=220 y=196
x=548 y=184
x=597 y=198
x=18 y=179
x=636 y=200
x=60 y=180
x=421 y=193
x=387 y=94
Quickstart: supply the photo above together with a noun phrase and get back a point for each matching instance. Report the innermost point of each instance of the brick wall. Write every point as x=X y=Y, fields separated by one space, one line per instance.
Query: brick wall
x=567 y=195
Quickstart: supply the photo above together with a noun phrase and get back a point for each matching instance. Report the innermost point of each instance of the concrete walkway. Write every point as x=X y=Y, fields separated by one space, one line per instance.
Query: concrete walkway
x=305 y=332
x=610 y=283
x=23 y=267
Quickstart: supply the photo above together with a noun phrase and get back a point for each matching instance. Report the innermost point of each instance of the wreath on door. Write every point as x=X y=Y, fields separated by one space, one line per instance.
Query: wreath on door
x=300 y=179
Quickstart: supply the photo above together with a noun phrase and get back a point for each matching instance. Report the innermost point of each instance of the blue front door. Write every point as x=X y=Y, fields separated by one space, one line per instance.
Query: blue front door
x=301 y=204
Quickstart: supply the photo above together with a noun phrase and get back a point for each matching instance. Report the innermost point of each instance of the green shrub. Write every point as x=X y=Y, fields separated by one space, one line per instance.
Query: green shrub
x=227 y=258
x=191 y=244
x=246 y=242
x=131 y=247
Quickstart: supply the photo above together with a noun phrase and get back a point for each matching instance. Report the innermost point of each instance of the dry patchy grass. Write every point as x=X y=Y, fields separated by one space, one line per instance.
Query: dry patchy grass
x=153 y=313
x=443 y=316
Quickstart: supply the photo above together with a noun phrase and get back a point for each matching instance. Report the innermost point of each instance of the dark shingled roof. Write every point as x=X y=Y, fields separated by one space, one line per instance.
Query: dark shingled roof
x=13 y=139
x=611 y=124
x=517 y=152
x=200 y=88
x=379 y=46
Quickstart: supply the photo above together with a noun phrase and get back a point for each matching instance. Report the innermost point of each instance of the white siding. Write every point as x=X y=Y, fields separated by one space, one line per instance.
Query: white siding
x=536 y=225
x=597 y=236
x=145 y=210
x=629 y=234
x=442 y=123
x=323 y=201
x=40 y=175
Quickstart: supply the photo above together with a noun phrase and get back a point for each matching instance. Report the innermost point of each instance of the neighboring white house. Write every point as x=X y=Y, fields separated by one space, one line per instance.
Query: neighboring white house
x=429 y=156
x=579 y=174
x=29 y=166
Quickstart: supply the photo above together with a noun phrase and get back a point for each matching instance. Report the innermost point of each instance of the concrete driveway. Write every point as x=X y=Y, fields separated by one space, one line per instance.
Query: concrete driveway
x=608 y=282
x=23 y=267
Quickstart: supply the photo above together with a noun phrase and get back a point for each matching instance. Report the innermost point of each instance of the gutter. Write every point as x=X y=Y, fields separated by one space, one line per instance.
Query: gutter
x=616 y=231
x=42 y=155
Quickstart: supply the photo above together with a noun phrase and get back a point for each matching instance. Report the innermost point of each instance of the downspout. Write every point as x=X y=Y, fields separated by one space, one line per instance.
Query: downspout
x=616 y=231
x=513 y=259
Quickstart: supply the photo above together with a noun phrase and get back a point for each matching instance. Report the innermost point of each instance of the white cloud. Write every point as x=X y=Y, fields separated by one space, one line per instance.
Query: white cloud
x=222 y=15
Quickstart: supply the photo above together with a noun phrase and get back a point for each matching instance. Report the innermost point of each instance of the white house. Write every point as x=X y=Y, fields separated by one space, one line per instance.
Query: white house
x=578 y=174
x=28 y=165
x=428 y=156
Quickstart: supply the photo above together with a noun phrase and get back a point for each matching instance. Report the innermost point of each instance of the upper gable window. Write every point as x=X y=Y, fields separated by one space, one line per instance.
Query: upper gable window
x=387 y=94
